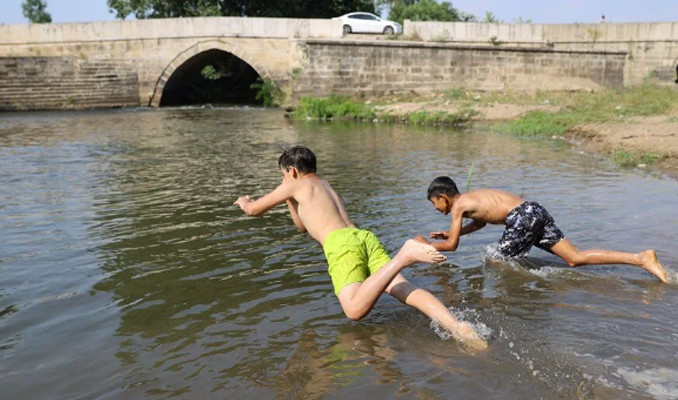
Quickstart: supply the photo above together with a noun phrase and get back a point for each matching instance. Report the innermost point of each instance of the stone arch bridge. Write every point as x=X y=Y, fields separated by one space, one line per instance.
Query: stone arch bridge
x=153 y=62
x=132 y=63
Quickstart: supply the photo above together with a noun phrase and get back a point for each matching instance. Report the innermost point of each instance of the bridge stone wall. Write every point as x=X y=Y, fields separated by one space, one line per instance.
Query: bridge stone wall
x=152 y=61
x=77 y=65
x=379 y=67
x=652 y=48
x=65 y=82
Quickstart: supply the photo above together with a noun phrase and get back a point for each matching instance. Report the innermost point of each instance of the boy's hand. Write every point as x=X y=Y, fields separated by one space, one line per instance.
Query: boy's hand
x=421 y=239
x=439 y=235
x=242 y=201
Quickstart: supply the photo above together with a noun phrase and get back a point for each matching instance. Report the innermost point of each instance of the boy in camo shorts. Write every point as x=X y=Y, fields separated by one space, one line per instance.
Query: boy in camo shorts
x=527 y=224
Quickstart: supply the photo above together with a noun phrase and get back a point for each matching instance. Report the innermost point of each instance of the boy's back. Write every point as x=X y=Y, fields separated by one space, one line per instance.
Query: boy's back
x=487 y=205
x=319 y=207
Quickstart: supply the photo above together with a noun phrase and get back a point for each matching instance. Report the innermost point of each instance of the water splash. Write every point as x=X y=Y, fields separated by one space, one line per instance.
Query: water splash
x=547 y=272
x=467 y=315
x=662 y=383
x=528 y=265
x=671 y=274
x=492 y=253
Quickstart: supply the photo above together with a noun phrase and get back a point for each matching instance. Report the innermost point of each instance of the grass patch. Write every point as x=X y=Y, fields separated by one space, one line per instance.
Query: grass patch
x=456 y=94
x=627 y=159
x=582 y=108
x=343 y=108
x=573 y=109
x=537 y=123
x=441 y=117
x=333 y=107
x=624 y=159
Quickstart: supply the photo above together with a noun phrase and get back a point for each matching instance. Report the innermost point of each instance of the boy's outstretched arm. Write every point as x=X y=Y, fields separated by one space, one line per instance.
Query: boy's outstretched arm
x=472 y=226
x=257 y=207
x=294 y=206
x=452 y=240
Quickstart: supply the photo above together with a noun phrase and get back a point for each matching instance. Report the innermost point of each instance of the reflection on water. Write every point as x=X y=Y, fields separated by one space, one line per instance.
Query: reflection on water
x=126 y=273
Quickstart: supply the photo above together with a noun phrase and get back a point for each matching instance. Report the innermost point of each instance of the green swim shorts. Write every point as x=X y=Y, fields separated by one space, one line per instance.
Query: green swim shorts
x=352 y=255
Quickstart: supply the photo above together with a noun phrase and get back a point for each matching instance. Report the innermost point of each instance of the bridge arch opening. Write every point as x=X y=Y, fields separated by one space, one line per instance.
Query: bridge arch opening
x=211 y=77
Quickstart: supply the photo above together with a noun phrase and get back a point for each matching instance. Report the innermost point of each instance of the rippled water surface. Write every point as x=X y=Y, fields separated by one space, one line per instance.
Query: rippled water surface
x=126 y=273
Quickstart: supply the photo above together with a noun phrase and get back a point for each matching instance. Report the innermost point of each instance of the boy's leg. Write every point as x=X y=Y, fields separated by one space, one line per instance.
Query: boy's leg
x=358 y=298
x=424 y=301
x=646 y=259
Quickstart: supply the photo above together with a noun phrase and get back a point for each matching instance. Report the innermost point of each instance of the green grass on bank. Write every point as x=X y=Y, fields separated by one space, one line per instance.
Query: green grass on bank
x=423 y=117
x=344 y=108
x=627 y=159
x=573 y=108
x=333 y=107
x=582 y=108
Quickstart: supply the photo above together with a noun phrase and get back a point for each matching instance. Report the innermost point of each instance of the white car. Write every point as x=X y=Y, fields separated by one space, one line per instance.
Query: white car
x=363 y=22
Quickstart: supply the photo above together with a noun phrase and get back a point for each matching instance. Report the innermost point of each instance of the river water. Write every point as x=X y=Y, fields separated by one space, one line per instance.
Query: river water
x=126 y=273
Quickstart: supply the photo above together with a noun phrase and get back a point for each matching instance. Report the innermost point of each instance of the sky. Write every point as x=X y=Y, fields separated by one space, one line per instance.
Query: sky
x=538 y=11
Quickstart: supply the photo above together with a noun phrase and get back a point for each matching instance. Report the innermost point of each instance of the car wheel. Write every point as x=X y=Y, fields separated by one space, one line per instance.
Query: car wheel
x=388 y=30
x=347 y=29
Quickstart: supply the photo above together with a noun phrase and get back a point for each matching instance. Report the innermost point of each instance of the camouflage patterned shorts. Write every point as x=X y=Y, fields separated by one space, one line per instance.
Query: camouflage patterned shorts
x=528 y=225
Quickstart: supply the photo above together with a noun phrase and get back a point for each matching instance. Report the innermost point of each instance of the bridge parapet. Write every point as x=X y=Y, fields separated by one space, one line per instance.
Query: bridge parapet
x=652 y=48
x=541 y=33
x=283 y=28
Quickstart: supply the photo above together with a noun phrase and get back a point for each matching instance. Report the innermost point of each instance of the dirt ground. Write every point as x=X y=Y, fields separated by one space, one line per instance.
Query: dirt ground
x=657 y=135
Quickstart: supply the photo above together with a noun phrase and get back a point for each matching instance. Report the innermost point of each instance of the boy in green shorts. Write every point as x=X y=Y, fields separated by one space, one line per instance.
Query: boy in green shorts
x=359 y=266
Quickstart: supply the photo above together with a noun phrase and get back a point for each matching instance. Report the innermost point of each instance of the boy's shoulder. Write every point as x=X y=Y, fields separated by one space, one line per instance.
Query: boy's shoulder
x=307 y=182
x=479 y=198
x=483 y=191
x=488 y=192
x=474 y=195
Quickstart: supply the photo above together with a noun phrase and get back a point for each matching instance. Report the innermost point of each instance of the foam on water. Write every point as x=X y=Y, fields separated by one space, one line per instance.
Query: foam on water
x=468 y=315
x=522 y=265
x=662 y=383
x=492 y=253
x=547 y=272
x=671 y=274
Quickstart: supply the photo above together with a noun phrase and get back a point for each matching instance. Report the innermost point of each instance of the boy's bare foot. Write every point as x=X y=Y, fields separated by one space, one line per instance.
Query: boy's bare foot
x=652 y=265
x=466 y=334
x=414 y=252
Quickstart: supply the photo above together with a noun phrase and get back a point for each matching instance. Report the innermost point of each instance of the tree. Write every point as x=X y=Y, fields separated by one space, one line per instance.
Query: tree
x=490 y=18
x=424 y=10
x=142 y=9
x=36 y=11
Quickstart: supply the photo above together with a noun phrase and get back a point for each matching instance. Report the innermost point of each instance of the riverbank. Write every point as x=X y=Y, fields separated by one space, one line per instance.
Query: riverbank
x=636 y=127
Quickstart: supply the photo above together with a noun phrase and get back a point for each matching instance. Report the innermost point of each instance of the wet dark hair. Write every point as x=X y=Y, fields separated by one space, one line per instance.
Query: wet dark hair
x=442 y=185
x=299 y=157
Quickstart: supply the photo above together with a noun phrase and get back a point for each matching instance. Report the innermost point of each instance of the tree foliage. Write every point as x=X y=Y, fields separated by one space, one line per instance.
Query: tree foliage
x=490 y=18
x=424 y=10
x=36 y=11
x=142 y=9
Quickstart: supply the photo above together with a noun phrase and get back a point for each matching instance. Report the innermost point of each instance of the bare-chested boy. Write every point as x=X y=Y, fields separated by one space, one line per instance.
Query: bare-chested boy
x=527 y=224
x=359 y=266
